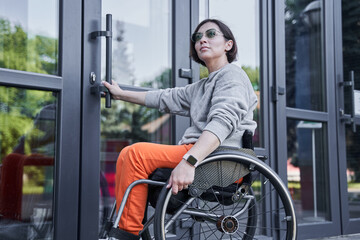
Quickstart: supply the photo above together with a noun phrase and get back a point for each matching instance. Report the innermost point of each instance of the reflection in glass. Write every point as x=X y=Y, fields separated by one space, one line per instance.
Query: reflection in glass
x=29 y=35
x=307 y=170
x=305 y=81
x=141 y=58
x=242 y=17
x=27 y=151
x=350 y=47
x=353 y=170
x=122 y=125
x=141 y=41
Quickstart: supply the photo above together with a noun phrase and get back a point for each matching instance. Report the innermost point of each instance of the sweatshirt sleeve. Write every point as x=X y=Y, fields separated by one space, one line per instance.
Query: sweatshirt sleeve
x=171 y=100
x=229 y=104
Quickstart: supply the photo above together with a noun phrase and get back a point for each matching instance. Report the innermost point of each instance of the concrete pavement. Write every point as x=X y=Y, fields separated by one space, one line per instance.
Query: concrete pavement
x=345 y=237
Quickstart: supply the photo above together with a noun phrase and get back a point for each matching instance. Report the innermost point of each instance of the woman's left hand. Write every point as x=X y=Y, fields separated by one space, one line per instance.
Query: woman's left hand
x=182 y=175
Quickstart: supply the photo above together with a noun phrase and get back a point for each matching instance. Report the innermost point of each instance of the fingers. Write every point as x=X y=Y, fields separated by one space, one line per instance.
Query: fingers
x=106 y=84
x=175 y=189
x=169 y=183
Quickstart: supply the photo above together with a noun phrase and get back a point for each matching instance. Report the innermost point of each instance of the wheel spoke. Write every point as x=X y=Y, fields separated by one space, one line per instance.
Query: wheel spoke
x=218 y=213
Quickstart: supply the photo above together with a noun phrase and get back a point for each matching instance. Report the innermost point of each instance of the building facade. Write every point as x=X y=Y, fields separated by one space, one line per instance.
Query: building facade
x=56 y=135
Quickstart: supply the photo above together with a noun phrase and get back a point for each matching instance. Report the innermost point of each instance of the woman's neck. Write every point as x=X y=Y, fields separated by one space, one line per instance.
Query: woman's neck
x=216 y=65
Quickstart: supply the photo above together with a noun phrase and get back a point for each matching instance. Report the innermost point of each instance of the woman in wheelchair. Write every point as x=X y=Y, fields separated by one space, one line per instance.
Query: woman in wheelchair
x=220 y=108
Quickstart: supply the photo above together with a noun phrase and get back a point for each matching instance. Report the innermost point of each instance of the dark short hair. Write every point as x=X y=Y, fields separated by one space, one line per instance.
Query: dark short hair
x=228 y=35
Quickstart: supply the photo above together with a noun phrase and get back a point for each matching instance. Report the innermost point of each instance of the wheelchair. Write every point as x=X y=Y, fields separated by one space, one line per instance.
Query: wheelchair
x=225 y=201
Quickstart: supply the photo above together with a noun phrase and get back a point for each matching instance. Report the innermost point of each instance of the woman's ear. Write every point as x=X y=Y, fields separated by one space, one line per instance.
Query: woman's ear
x=229 y=45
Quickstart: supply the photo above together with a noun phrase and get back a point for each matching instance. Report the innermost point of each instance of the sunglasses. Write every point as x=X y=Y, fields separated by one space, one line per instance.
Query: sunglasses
x=210 y=33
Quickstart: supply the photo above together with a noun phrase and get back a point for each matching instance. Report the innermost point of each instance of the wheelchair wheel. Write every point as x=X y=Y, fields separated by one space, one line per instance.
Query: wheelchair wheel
x=220 y=206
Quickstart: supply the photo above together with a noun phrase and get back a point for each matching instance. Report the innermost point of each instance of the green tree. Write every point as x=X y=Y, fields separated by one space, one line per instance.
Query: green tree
x=124 y=120
x=20 y=52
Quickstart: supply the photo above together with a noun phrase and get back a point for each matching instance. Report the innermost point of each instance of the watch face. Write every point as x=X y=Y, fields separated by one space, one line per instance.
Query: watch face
x=191 y=160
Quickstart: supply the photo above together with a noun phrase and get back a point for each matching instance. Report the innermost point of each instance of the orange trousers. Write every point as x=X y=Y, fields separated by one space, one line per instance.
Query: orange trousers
x=136 y=162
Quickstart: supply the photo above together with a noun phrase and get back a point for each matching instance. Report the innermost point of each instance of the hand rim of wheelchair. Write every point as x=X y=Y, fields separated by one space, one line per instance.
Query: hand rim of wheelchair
x=255 y=164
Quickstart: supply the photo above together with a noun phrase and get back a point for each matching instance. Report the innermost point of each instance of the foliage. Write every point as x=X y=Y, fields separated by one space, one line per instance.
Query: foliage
x=161 y=81
x=20 y=52
x=19 y=109
x=125 y=120
x=254 y=76
x=204 y=72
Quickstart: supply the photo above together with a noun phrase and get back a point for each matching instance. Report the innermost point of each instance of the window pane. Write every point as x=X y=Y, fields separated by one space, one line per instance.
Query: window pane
x=242 y=17
x=307 y=170
x=350 y=49
x=353 y=170
x=122 y=125
x=351 y=57
x=305 y=80
x=29 y=35
x=141 y=58
x=141 y=42
x=27 y=145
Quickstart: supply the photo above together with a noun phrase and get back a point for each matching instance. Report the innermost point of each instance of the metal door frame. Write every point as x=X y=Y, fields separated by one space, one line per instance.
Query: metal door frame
x=282 y=112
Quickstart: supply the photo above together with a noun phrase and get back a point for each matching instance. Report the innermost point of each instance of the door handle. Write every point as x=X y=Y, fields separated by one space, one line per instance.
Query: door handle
x=345 y=117
x=108 y=69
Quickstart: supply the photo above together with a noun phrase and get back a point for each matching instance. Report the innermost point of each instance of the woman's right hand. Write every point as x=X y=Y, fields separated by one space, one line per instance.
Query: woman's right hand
x=114 y=89
x=125 y=95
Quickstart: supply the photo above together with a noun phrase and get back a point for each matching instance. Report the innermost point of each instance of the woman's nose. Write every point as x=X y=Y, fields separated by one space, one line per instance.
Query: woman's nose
x=203 y=39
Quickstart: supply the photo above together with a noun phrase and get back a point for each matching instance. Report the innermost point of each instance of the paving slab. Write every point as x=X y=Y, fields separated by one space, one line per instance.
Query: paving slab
x=344 y=237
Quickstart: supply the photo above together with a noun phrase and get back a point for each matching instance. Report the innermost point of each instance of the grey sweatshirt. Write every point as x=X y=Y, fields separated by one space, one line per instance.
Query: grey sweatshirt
x=223 y=103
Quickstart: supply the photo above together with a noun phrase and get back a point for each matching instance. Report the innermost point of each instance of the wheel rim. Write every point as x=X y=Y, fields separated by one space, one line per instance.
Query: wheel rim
x=239 y=226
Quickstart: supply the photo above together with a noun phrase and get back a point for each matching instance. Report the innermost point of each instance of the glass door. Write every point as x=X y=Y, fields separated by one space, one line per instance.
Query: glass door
x=142 y=60
x=144 y=57
x=348 y=71
x=306 y=115
x=39 y=119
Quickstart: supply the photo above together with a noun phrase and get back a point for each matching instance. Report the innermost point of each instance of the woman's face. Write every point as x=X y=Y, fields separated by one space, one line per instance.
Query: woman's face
x=212 y=49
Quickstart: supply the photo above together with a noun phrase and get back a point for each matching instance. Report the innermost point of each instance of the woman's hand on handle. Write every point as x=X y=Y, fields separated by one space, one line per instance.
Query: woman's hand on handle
x=114 y=89
x=128 y=96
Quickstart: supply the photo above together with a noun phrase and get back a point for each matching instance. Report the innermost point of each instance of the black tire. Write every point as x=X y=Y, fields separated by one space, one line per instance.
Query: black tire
x=227 y=221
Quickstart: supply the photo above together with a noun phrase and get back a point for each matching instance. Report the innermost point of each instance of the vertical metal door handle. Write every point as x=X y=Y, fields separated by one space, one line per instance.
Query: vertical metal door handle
x=108 y=58
x=108 y=69
x=350 y=84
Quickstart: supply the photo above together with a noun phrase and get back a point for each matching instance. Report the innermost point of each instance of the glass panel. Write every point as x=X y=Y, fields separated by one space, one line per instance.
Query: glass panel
x=243 y=16
x=351 y=47
x=305 y=80
x=137 y=64
x=353 y=170
x=29 y=35
x=27 y=151
x=141 y=42
x=307 y=170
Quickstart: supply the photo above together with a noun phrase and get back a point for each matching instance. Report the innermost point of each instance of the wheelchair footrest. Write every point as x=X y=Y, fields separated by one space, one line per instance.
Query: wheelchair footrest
x=116 y=233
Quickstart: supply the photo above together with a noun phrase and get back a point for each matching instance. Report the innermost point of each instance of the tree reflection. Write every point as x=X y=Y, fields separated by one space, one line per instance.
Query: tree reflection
x=20 y=51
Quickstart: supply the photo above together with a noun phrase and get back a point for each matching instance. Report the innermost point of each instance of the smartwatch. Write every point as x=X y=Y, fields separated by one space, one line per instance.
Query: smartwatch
x=190 y=159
